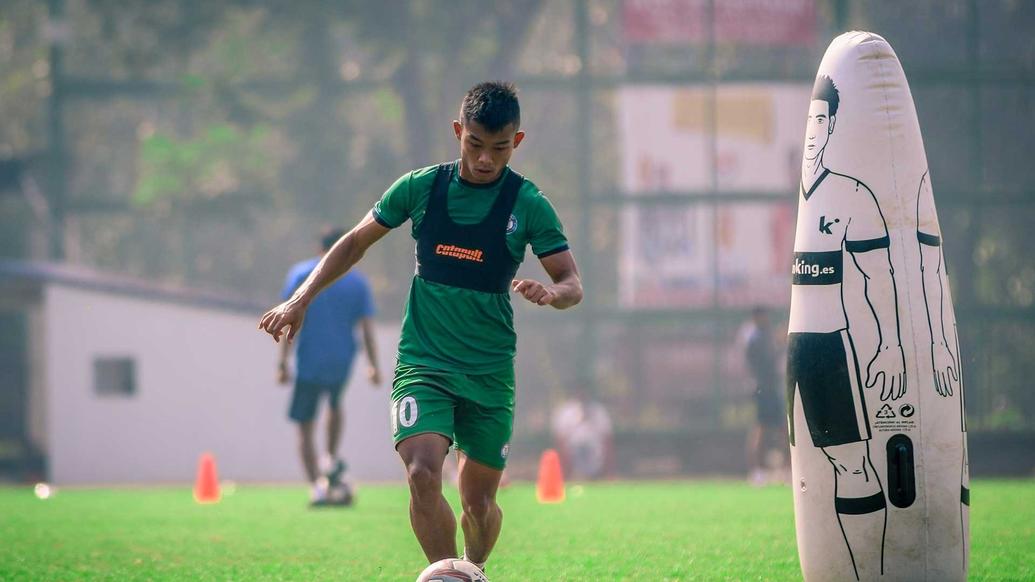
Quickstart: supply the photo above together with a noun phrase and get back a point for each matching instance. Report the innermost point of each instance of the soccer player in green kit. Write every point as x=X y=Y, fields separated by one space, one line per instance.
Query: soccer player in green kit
x=454 y=381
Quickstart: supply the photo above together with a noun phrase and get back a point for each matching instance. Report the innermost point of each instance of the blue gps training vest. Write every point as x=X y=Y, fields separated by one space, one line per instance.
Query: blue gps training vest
x=471 y=256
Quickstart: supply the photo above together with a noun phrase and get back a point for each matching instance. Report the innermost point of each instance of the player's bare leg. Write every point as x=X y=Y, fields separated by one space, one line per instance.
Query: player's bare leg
x=430 y=515
x=335 y=426
x=482 y=517
x=307 y=449
x=756 y=454
x=860 y=504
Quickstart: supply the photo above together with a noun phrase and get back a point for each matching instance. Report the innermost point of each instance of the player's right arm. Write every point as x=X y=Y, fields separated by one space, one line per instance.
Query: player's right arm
x=868 y=242
x=288 y=316
x=394 y=208
x=887 y=368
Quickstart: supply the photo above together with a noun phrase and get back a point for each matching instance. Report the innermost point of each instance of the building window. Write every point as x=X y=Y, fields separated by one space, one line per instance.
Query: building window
x=114 y=377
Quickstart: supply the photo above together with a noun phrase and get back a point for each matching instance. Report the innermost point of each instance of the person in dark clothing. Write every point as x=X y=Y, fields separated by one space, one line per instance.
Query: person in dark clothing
x=760 y=354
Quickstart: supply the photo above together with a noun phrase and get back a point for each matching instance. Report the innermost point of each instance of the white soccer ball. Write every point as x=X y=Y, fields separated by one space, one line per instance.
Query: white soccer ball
x=452 y=570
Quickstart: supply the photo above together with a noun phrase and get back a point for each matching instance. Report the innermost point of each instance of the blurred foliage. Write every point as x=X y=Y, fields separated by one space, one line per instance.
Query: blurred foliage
x=24 y=78
x=221 y=162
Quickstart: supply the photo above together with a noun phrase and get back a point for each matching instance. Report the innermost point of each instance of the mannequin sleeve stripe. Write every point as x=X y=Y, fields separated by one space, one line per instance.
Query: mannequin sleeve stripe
x=930 y=240
x=862 y=246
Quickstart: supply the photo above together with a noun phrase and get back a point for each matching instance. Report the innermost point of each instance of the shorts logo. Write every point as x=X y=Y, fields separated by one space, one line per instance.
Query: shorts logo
x=512 y=224
x=505 y=451
x=406 y=411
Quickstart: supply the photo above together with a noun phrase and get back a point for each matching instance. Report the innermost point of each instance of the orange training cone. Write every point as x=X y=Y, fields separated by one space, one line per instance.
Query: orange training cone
x=550 y=487
x=206 y=487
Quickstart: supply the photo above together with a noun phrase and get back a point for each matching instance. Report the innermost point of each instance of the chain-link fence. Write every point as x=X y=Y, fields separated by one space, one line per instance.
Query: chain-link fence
x=205 y=144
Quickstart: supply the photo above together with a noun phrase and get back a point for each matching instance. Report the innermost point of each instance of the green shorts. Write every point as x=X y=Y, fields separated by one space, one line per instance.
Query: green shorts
x=475 y=412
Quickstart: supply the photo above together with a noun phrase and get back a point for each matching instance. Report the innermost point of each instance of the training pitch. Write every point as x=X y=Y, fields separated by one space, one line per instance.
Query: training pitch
x=687 y=530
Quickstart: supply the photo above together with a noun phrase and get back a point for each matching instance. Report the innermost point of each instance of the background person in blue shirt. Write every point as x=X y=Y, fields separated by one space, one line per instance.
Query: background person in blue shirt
x=323 y=361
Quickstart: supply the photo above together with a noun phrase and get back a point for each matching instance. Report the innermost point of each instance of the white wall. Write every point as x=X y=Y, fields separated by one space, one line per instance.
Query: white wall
x=205 y=382
x=37 y=404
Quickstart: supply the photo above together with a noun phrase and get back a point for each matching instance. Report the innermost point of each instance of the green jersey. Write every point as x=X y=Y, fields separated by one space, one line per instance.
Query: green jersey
x=453 y=328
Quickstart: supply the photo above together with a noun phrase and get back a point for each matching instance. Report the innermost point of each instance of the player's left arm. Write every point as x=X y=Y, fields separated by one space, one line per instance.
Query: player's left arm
x=546 y=235
x=566 y=289
x=928 y=234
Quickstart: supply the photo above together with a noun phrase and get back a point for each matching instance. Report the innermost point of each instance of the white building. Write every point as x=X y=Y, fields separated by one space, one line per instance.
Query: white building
x=115 y=380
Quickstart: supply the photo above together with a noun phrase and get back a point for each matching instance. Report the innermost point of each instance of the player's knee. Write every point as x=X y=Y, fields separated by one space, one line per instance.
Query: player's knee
x=424 y=478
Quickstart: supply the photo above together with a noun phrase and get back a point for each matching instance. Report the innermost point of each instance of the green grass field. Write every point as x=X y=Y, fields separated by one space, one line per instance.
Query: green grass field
x=696 y=530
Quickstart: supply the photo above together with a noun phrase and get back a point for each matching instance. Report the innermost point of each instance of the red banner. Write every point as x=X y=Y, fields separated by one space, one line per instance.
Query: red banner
x=751 y=22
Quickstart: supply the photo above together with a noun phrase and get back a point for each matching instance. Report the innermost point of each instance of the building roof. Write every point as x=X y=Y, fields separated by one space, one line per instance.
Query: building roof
x=33 y=273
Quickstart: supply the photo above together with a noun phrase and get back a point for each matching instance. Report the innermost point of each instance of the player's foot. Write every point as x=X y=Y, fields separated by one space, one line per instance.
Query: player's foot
x=479 y=565
x=336 y=473
x=318 y=494
x=339 y=490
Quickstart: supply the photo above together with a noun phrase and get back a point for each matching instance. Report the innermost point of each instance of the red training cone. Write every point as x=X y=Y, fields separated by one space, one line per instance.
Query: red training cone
x=550 y=487
x=206 y=486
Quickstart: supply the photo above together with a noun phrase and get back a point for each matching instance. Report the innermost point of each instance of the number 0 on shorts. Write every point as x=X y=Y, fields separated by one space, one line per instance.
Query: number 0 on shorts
x=405 y=412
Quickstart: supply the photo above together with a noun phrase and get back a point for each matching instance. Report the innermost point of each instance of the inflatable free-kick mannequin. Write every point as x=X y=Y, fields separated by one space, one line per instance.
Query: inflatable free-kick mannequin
x=874 y=380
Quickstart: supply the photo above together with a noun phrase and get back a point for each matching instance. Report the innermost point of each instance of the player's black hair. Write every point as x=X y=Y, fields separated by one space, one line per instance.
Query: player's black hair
x=492 y=104
x=329 y=236
x=825 y=90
